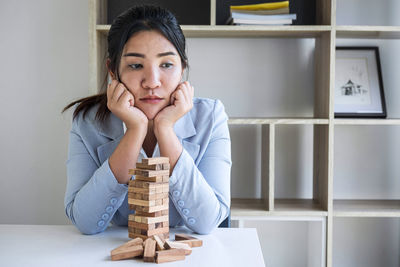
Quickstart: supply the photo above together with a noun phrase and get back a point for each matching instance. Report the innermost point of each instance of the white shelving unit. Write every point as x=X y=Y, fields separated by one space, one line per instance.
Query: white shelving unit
x=321 y=207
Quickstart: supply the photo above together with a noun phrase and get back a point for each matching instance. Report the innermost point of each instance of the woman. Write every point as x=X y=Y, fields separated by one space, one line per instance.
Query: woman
x=147 y=111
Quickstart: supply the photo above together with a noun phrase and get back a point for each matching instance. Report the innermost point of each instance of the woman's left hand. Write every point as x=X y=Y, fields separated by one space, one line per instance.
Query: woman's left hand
x=181 y=103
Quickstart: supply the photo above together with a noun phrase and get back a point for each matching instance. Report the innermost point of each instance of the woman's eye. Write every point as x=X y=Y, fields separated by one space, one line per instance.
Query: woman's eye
x=136 y=66
x=167 y=65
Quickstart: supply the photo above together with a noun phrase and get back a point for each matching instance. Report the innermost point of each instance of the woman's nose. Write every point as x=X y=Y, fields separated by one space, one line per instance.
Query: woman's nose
x=151 y=78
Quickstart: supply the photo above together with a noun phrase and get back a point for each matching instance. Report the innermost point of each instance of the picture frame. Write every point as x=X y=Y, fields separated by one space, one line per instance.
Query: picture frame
x=358 y=83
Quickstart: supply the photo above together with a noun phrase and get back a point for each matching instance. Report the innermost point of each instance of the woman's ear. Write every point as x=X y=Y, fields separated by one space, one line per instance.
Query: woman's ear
x=108 y=61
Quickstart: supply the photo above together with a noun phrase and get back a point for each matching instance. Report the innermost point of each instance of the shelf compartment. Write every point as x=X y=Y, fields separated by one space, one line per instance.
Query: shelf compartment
x=368 y=32
x=366 y=208
x=248 y=207
x=367 y=121
x=254 y=120
x=366 y=242
x=304 y=240
x=298 y=207
x=370 y=169
x=306 y=186
x=221 y=31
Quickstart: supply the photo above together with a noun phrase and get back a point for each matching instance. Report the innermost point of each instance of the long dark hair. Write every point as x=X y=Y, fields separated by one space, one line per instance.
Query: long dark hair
x=133 y=20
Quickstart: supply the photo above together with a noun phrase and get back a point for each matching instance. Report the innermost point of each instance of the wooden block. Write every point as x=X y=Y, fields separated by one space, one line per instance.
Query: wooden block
x=147 y=203
x=160 y=241
x=134 y=235
x=148 y=173
x=155 y=179
x=188 y=239
x=150 y=209
x=130 y=249
x=143 y=219
x=151 y=214
x=149 y=250
x=170 y=255
x=171 y=245
x=157 y=160
x=145 y=226
x=165 y=188
x=165 y=212
x=192 y=242
x=155 y=167
x=147 y=191
x=147 y=196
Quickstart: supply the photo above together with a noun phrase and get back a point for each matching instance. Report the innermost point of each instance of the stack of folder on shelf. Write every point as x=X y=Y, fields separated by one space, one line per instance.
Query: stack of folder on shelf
x=273 y=13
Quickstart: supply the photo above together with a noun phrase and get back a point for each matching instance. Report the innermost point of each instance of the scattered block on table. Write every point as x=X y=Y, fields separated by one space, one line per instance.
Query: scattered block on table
x=155 y=167
x=171 y=245
x=188 y=239
x=149 y=250
x=170 y=255
x=130 y=249
x=159 y=242
x=158 y=160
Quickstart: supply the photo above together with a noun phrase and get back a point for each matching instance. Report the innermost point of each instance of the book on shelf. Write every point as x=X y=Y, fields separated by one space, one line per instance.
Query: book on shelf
x=273 y=13
x=262 y=6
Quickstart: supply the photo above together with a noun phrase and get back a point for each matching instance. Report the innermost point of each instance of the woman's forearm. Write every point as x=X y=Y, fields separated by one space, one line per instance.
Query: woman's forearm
x=126 y=153
x=169 y=145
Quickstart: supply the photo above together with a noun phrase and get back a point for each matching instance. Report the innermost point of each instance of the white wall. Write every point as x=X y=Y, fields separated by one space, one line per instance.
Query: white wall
x=44 y=50
x=44 y=54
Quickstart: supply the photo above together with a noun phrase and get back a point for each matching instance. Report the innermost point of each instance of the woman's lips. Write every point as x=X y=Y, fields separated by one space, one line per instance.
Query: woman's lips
x=152 y=100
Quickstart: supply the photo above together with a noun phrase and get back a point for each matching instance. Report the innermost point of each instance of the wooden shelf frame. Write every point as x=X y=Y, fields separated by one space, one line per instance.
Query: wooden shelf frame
x=325 y=33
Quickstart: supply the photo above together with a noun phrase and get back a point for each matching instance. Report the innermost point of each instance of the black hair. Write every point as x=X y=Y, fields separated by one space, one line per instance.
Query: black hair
x=130 y=22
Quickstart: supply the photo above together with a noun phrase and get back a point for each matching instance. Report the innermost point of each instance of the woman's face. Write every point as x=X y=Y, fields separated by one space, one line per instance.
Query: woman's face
x=151 y=69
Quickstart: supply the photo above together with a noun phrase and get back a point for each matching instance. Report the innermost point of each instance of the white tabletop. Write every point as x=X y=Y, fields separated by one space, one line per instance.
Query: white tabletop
x=64 y=245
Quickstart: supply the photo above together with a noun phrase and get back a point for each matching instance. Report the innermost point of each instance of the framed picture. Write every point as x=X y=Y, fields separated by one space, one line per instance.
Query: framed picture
x=358 y=83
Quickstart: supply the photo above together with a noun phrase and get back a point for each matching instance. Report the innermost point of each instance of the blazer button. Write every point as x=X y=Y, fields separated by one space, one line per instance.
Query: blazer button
x=105 y=216
x=181 y=203
x=109 y=209
x=191 y=221
x=185 y=211
x=176 y=193
x=113 y=201
x=100 y=223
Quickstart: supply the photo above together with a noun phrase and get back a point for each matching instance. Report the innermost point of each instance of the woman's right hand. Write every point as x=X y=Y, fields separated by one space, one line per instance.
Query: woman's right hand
x=121 y=103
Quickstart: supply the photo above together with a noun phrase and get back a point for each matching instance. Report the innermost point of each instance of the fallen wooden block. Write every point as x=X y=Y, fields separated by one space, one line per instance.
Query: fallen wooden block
x=170 y=255
x=159 y=241
x=130 y=249
x=188 y=239
x=171 y=245
x=149 y=250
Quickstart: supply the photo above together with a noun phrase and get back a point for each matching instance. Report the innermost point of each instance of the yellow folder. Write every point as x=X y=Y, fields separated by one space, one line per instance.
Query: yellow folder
x=263 y=6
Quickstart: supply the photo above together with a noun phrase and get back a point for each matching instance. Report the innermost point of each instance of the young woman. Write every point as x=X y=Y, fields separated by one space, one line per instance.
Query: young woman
x=147 y=111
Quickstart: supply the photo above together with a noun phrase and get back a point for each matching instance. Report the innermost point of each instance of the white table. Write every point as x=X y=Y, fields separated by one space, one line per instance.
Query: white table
x=64 y=245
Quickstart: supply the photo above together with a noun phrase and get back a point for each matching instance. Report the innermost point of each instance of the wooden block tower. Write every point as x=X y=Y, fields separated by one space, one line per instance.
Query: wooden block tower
x=148 y=196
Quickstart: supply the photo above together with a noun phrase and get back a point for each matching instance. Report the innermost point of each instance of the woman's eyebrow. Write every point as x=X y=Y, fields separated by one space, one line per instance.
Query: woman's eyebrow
x=132 y=54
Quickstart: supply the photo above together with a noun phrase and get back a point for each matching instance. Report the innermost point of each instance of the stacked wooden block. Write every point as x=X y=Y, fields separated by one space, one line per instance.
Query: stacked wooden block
x=148 y=196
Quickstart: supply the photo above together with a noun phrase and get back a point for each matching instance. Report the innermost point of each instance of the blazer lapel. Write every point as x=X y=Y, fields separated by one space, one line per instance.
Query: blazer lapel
x=184 y=129
x=112 y=129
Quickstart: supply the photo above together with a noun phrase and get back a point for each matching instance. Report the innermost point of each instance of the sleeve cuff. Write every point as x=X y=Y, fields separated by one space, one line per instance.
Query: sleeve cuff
x=109 y=180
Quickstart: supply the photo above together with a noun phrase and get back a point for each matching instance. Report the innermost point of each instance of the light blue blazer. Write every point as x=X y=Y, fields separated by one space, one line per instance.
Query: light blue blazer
x=199 y=187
